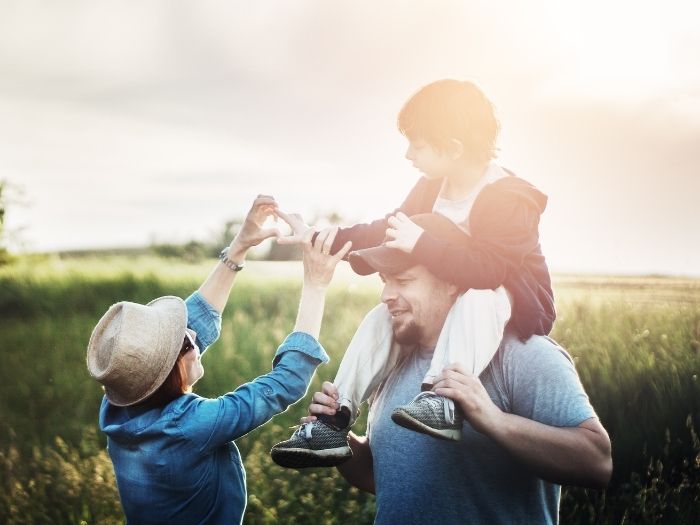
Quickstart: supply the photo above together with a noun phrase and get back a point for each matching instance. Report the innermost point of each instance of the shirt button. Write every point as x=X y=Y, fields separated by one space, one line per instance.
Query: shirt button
x=268 y=391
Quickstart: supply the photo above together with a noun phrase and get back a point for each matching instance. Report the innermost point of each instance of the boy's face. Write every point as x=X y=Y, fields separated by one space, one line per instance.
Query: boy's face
x=432 y=163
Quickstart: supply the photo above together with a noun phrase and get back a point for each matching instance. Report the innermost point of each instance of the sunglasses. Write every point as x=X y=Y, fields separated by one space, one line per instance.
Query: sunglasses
x=187 y=343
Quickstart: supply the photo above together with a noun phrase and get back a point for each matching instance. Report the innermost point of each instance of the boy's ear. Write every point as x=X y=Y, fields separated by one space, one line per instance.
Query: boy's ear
x=455 y=149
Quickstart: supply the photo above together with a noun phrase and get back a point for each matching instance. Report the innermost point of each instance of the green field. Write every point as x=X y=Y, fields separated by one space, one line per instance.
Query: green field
x=635 y=340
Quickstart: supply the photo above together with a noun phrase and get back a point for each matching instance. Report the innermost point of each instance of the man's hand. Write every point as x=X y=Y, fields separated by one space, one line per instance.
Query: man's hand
x=578 y=455
x=324 y=402
x=466 y=390
x=252 y=233
x=402 y=233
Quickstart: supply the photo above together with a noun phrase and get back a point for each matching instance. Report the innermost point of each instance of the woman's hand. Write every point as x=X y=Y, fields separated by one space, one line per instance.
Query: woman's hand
x=298 y=226
x=318 y=264
x=252 y=233
x=402 y=233
x=324 y=402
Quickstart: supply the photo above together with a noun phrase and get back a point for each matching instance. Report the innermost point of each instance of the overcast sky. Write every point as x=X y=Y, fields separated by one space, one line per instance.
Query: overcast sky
x=128 y=121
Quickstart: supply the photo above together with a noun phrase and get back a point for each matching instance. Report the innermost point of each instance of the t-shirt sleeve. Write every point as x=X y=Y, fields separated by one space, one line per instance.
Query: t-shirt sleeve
x=543 y=384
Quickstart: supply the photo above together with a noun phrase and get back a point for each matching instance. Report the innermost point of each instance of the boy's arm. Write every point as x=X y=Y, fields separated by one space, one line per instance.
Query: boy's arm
x=366 y=235
x=500 y=243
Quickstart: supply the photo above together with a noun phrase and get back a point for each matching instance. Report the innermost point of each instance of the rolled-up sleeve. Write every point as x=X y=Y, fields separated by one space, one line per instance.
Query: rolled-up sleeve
x=204 y=319
x=213 y=422
x=301 y=342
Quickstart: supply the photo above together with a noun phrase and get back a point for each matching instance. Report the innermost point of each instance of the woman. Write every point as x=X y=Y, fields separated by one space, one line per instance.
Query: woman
x=172 y=450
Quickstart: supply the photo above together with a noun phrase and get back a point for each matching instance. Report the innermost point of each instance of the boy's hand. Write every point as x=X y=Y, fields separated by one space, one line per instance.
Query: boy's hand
x=402 y=232
x=324 y=402
x=298 y=226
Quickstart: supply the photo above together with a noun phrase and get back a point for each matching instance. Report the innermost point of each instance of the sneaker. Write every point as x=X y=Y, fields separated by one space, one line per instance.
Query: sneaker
x=431 y=414
x=313 y=444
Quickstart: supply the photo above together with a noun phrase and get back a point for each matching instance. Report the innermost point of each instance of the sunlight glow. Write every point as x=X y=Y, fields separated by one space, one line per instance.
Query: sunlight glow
x=622 y=47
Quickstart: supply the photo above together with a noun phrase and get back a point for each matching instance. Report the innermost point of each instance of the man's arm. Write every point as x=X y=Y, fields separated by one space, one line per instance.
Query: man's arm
x=578 y=455
x=359 y=470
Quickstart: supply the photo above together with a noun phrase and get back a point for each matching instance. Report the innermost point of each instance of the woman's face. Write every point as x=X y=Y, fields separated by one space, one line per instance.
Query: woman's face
x=193 y=359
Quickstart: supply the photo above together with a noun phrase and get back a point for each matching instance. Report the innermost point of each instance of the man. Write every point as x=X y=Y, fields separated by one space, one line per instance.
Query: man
x=529 y=426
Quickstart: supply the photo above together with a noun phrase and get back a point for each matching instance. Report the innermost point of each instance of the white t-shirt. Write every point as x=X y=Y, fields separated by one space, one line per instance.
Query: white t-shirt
x=458 y=211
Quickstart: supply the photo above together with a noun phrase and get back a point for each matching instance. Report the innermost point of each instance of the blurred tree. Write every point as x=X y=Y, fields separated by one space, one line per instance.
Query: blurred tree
x=4 y=255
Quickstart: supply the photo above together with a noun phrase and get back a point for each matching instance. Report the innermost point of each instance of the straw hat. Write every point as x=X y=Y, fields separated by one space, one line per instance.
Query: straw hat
x=134 y=347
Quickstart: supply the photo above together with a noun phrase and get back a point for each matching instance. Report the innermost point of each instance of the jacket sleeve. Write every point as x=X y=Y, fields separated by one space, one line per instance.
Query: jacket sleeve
x=214 y=422
x=204 y=319
x=504 y=233
x=367 y=235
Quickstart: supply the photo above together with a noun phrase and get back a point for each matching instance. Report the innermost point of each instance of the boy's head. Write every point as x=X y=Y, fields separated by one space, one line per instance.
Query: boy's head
x=449 y=114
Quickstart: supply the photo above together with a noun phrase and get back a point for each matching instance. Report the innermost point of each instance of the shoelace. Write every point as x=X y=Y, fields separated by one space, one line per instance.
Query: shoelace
x=306 y=430
x=448 y=405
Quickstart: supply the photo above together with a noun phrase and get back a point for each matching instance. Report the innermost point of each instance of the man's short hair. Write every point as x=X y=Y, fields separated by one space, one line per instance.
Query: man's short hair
x=451 y=109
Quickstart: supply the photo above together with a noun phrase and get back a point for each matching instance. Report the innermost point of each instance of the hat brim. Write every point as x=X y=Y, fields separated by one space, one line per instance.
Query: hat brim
x=379 y=259
x=172 y=318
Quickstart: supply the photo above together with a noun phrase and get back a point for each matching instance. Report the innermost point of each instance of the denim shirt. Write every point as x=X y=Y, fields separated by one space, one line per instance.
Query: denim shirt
x=178 y=464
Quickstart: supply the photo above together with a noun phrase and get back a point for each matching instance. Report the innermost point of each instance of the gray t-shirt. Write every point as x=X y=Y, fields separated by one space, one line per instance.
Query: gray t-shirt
x=420 y=479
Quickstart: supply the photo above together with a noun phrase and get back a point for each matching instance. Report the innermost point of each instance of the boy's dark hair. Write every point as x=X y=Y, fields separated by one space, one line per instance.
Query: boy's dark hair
x=451 y=109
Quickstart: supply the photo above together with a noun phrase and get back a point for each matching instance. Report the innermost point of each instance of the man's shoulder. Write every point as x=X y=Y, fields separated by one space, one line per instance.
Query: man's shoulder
x=535 y=352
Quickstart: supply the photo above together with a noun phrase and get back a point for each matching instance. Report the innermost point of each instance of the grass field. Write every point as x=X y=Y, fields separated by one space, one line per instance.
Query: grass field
x=635 y=340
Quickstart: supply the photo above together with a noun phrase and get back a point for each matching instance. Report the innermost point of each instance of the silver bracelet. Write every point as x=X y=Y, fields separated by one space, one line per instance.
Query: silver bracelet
x=233 y=266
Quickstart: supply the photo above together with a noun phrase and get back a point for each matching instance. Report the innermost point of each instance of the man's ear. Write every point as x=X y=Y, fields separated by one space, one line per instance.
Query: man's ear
x=453 y=290
x=456 y=149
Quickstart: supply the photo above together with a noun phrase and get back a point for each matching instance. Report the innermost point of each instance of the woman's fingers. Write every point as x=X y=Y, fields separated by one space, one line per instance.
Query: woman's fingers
x=318 y=241
x=269 y=232
x=342 y=252
x=328 y=241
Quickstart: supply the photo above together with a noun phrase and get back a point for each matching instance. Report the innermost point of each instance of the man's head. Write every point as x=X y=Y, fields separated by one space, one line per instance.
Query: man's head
x=417 y=299
x=448 y=121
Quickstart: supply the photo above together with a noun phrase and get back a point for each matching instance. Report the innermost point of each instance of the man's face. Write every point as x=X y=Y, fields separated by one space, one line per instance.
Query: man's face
x=418 y=303
x=429 y=161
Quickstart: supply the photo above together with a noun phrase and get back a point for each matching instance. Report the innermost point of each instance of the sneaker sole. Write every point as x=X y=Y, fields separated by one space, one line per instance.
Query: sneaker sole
x=407 y=421
x=299 y=458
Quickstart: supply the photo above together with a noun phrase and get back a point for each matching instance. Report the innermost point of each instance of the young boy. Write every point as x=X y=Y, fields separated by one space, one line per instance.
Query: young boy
x=452 y=131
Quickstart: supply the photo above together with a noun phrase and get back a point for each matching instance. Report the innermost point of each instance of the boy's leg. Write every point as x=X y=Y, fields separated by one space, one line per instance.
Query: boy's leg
x=474 y=333
x=471 y=336
x=365 y=363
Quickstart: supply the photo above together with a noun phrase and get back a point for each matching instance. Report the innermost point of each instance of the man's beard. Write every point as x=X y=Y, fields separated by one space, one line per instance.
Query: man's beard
x=408 y=334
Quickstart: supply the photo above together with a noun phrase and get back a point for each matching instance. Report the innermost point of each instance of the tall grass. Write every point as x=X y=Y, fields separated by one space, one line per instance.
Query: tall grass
x=637 y=356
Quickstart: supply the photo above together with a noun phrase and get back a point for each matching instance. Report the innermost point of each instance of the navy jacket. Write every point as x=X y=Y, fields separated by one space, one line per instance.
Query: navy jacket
x=503 y=248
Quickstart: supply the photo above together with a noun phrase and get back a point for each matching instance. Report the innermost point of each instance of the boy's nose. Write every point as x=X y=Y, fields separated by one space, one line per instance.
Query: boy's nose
x=409 y=153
